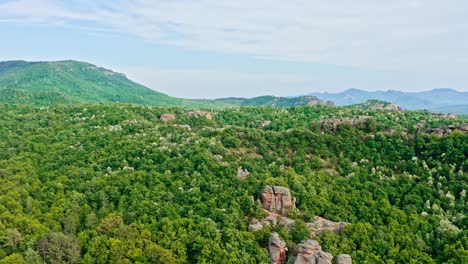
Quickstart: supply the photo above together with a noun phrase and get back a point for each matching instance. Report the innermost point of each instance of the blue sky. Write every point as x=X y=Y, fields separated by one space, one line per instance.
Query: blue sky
x=212 y=49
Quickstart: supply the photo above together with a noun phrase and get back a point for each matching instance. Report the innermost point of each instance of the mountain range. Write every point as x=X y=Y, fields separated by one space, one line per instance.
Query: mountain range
x=444 y=100
x=70 y=82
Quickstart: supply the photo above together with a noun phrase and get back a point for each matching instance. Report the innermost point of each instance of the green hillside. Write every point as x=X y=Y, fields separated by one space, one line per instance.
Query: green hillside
x=75 y=82
x=115 y=183
x=71 y=82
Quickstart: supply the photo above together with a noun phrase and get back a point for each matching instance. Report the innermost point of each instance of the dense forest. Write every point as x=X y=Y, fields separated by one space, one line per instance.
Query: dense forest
x=116 y=183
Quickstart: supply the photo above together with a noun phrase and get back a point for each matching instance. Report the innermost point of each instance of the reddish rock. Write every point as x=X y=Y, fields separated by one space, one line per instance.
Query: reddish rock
x=167 y=117
x=277 y=199
x=277 y=248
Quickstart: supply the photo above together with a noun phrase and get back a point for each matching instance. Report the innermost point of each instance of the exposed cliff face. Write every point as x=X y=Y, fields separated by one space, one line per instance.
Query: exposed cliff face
x=277 y=249
x=277 y=199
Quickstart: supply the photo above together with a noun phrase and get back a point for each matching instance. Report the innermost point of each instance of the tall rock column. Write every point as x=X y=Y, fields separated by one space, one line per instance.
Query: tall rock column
x=277 y=248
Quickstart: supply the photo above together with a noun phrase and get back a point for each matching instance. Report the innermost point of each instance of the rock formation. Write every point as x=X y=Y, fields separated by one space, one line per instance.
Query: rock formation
x=320 y=224
x=335 y=122
x=310 y=252
x=265 y=123
x=197 y=114
x=307 y=252
x=167 y=117
x=344 y=259
x=242 y=173
x=277 y=249
x=277 y=199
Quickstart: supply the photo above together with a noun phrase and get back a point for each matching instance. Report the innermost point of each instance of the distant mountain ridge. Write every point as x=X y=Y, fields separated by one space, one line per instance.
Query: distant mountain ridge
x=438 y=100
x=71 y=82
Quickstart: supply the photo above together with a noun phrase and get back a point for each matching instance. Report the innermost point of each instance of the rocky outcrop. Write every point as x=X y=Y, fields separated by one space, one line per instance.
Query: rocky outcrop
x=320 y=225
x=307 y=252
x=277 y=199
x=198 y=114
x=444 y=131
x=310 y=252
x=242 y=173
x=334 y=123
x=344 y=259
x=167 y=117
x=277 y=249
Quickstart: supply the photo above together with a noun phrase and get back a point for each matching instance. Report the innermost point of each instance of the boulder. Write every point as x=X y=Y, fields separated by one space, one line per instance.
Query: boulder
x=344 y=259
x=310 y=252
x=277 y=249
x=242 y=173
x=324 y=258
x=265 y=123
x=167 y=117
x=307 y=252
x=255 y=225
x=277 y=199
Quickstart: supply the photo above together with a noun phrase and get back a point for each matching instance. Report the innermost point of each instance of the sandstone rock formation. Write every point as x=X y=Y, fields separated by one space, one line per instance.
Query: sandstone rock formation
x=320 y=224
x=277 y=249
x=242 y=173
x=277 y=199
x=197 y=114
x=167 y=117
x=310 y=252
x=344 y=259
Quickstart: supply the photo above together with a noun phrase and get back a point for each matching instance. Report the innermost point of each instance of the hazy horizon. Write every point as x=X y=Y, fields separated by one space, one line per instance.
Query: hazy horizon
x=219 y=49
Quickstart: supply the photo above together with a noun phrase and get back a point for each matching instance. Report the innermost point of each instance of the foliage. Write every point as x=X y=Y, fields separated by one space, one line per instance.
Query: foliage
x=111 y=183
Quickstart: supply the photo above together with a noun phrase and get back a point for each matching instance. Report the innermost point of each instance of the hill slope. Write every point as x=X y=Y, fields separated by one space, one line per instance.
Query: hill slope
x=440 y=100
x=77 y=82
x=71 y=82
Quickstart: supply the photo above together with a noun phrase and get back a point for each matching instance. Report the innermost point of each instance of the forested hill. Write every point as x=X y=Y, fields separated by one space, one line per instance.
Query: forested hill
x=121 y=183
x=72 y=82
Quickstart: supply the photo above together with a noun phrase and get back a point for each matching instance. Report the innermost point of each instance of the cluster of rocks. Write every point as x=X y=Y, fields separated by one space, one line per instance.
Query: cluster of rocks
x=278 y=201
x=308 y=252
x=333 y=123
x=379 y=105
x=320 y=225
x=444 y=131
x=198 y=114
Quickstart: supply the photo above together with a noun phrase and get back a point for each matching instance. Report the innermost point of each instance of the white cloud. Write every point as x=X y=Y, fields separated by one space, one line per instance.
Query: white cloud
x=411 y=35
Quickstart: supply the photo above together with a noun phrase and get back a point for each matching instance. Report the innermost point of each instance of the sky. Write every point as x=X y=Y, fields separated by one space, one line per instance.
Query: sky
x=244 y=48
